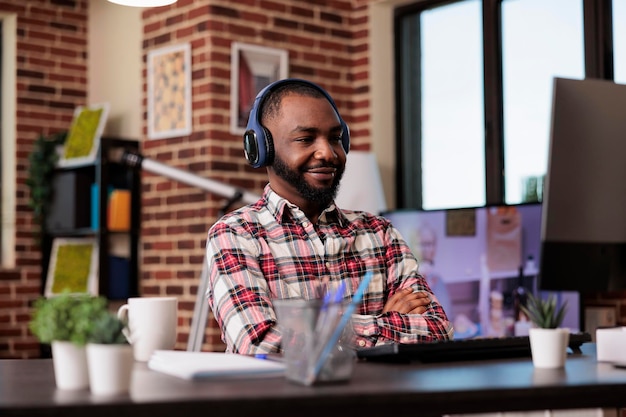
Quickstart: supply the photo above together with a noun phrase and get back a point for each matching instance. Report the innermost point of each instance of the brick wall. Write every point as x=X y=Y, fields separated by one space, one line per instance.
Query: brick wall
x=51 y=82
x=327 y=43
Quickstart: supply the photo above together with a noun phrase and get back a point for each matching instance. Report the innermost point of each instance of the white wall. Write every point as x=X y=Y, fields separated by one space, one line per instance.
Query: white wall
x=115 y=65
x=383 y=85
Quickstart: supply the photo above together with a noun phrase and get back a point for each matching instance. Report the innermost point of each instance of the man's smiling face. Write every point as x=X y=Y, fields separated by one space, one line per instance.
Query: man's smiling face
x=309 y=157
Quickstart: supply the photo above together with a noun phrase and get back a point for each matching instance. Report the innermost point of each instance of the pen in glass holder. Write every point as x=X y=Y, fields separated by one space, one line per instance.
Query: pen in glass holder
x=333 y=333
x=329 y=309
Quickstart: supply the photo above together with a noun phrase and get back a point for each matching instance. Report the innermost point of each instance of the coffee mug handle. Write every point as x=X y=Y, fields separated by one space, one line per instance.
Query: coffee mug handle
x=122 y=314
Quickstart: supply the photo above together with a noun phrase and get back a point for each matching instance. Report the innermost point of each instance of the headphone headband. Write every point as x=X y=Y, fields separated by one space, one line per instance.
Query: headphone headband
x=258 y=144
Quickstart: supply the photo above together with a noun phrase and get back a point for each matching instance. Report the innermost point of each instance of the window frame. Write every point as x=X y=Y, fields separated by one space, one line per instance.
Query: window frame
x=598 y=48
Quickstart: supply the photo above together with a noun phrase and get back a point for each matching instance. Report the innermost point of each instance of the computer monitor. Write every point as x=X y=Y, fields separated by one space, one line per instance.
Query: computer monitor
x=583 y=235
x=475 y=260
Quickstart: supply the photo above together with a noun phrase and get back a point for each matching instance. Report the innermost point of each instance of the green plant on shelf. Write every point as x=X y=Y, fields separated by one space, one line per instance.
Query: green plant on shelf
x=42 y=162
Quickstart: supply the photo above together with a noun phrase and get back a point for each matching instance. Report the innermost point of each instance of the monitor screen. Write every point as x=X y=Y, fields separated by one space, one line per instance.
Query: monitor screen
x=476 y=260
x=583 y=237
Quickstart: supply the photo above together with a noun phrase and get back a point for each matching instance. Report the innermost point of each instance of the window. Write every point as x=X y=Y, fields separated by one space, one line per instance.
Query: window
x=1 y=187
x=530 y=61
x=619 y=40
x=474 y=92
x=451 y=99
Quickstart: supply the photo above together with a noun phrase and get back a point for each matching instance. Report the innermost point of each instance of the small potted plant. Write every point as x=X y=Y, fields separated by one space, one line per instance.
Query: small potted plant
x=65 y=322
x=109 y=356
x=548 y=341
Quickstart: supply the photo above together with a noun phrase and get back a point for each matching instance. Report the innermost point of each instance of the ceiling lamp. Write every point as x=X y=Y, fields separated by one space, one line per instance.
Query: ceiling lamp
x=143 y=3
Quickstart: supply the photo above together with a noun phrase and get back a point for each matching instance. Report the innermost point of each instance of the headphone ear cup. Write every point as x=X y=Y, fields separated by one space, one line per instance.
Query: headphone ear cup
x=345 y=137
x=251 y=147
x=269 y=147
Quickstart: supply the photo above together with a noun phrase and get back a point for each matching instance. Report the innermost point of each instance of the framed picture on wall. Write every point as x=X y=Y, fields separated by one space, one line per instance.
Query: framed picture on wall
x=83 y=138
x=73 y=267
x=252 y=68
x=169 y=92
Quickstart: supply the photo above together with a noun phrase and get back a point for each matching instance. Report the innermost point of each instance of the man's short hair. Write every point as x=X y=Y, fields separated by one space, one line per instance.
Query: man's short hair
x=271 y=105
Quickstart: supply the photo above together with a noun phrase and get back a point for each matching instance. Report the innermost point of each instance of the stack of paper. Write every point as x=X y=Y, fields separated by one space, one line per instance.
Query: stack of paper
x=195 y=365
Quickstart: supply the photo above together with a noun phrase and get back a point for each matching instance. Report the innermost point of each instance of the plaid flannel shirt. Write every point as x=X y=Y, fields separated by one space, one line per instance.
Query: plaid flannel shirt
x=270 y=250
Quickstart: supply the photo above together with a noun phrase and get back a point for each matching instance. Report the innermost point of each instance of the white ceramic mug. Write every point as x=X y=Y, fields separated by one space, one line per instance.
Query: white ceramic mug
x=152 y=324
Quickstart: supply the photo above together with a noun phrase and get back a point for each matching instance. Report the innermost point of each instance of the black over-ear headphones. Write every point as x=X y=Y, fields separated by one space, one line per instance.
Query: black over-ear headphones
x=258 y=145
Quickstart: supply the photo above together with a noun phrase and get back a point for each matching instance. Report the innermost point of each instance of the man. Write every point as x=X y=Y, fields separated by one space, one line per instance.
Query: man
x=294 y=238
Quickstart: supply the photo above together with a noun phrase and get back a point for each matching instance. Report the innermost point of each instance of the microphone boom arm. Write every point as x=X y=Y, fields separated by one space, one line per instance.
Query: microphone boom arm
x=233 y=194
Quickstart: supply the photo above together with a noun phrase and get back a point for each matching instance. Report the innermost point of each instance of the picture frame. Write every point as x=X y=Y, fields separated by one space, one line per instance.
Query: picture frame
x=169 y=92
x=252 y=68
x=83 y=139
x=73 y=267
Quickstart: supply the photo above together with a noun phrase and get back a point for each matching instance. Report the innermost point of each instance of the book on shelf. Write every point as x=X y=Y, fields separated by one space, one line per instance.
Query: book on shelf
x=118 y=211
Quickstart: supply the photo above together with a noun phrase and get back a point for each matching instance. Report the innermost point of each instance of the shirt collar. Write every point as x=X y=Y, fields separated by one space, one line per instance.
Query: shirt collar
x=283 y=210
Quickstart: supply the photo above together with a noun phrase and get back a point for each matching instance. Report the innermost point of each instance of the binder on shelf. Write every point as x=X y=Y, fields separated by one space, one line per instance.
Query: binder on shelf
x=119 y=211
x=119 y=278
x=67 y=211
x=95 y=212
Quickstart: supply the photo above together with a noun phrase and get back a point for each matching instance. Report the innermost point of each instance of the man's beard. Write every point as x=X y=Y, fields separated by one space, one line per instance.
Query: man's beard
x=296 y=178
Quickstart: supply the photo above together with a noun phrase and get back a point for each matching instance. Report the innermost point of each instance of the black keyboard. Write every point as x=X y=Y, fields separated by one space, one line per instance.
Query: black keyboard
x=461 y=349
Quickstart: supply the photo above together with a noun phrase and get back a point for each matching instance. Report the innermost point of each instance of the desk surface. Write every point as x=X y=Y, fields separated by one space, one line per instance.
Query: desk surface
x=27 y=388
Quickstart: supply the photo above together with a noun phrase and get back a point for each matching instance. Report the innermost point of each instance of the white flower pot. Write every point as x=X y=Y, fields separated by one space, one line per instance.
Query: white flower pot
x=548 y=347
x=70 y=365
x=110 y=368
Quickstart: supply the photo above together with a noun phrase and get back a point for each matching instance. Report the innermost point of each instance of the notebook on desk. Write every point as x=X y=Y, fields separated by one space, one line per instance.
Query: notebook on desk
x=461 y=349
x=202 y=365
